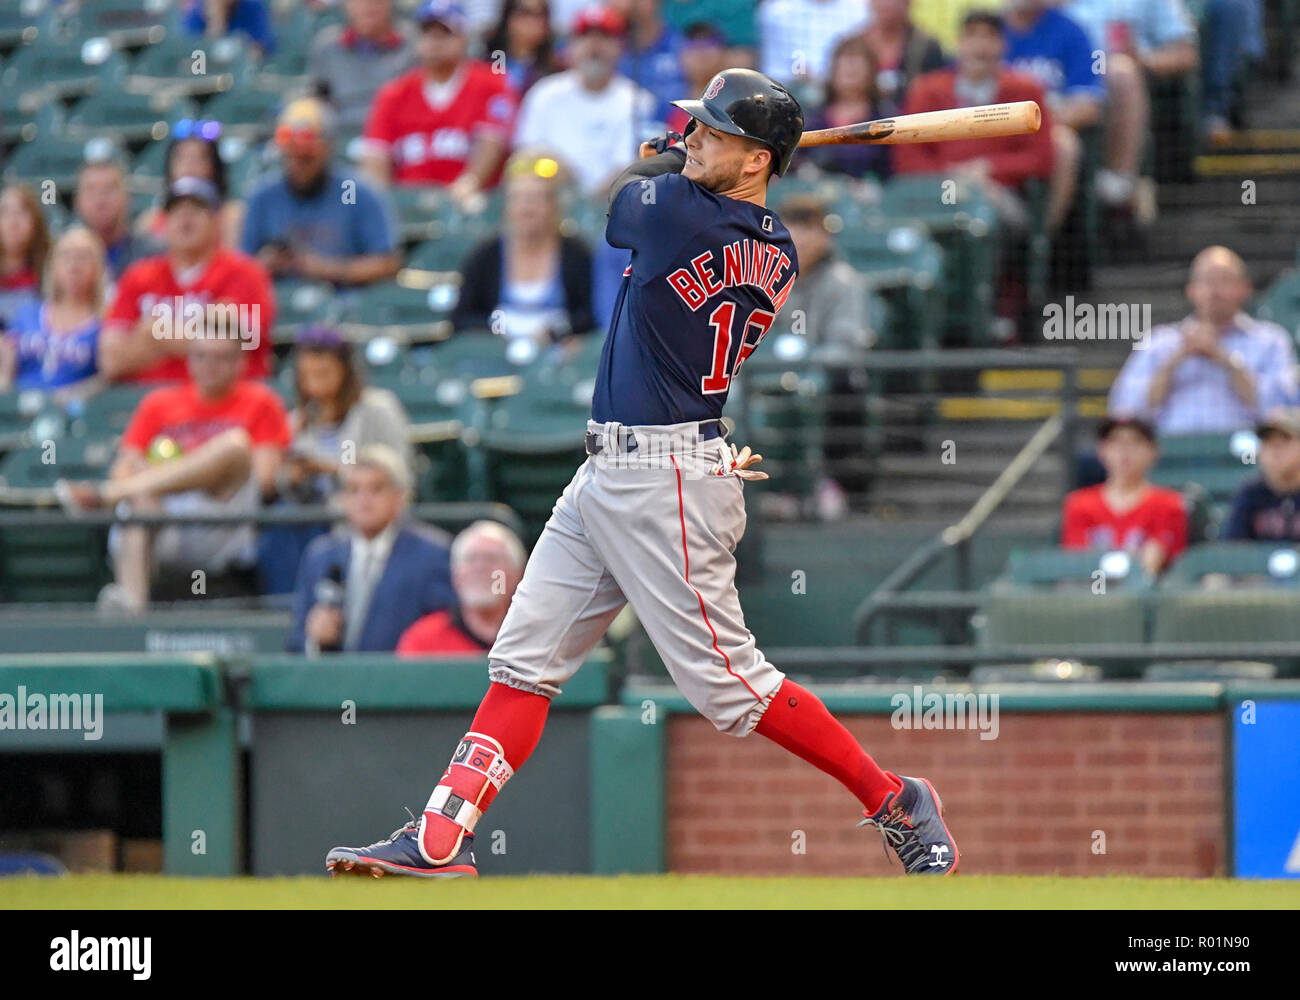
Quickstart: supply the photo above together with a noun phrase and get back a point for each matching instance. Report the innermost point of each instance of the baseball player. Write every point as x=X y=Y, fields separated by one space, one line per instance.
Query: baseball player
x=653 y=516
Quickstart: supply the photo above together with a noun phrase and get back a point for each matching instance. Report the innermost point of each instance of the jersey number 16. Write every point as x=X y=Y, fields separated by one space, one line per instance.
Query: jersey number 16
x=721 y=319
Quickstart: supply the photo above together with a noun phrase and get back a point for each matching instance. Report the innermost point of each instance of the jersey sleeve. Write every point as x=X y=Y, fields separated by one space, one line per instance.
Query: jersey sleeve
x=381 y=130
x=1074 y=523
x=125 y=310
x=655 y=215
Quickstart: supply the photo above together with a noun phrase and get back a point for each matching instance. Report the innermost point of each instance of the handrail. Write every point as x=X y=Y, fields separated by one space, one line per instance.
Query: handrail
x=956 y=536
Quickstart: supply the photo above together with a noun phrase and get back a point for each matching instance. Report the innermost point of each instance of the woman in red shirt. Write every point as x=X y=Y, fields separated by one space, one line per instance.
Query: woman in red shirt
x=1126 y=511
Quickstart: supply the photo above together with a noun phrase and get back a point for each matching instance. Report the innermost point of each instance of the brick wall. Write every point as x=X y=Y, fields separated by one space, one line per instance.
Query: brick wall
x=1027 y=802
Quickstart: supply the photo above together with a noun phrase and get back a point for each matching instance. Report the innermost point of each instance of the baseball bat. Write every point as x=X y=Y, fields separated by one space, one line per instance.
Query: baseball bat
x=982 y=122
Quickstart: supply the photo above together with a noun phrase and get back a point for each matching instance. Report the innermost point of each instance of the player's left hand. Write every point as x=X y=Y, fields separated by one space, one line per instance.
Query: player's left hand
x=659 y=144
x=739 y=465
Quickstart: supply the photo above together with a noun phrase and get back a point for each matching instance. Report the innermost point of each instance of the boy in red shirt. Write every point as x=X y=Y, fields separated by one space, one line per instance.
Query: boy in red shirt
x=163 y=303
x=209 y=445
x=1127 y=512
x=446 y=122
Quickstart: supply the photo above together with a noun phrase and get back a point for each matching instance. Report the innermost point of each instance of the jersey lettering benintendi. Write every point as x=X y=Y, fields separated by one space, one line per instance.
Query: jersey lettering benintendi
x=707 y=278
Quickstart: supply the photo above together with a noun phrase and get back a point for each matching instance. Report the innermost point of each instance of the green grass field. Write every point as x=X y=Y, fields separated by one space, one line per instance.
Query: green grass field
x=645 y=892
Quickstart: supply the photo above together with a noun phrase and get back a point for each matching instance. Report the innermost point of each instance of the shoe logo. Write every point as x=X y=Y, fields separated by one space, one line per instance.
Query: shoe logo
x=938 y=850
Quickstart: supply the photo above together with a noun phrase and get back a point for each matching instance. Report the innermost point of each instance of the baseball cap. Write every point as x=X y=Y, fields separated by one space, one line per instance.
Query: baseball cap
x=304 y=120
x=194 y=188
x=445 y=12
x=1282 y=418
x=1113 y=423
x=598 y=17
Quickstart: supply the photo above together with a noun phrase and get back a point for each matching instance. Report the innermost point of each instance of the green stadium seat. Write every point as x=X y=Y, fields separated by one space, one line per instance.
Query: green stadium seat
x=183 y=64
x=443 y=253
x=58 y=564
x=246 y=113
x=964 y=224
x=123 y=22
x=298 y=303
x=1281 y=303
x=1063 y=620
x=1068 y=569
x=73 y=458
x=57 y=159
x=386 y=304
x=1215 y=462
x=18 y=26
x=1254 y=564
x=61 y=68
x=1248 y=614
x=131 y=117
x=106 y=413
x=900 y=261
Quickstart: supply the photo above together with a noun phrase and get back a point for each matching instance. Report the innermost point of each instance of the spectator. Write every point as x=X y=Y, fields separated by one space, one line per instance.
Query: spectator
x=145 y=333
x=1141 y=38
x=349 y=62
x=735 y=19
x=361 y=588
x=828 y=305
x=1126 y=511
x=212 y=445
x=193 y=152
x=1046 y=44
x=851 y=97
x=530 y=280
x=652 y=57
x=24 y=243
x=1218 y=369
x=445 y=122
x=998 y=167
x=103 y=204
x=902 y=50
x=604 y=116
x=335 y=416
x=314 y=222
x=704 y=56
x=1268 y=508
x=523 y=37
x=219 y=18
x=51 y=344
x=487 y=563
x=797 y=36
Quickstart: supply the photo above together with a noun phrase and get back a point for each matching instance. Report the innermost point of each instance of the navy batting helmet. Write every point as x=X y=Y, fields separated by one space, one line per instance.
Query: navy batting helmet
x=745 y=102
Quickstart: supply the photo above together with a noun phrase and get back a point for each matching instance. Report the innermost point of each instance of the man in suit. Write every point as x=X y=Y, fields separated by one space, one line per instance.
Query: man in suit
x=359 y=589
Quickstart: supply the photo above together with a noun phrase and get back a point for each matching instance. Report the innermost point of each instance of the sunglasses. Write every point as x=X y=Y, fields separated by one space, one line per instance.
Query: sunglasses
x=297 y=135
x=200 y=128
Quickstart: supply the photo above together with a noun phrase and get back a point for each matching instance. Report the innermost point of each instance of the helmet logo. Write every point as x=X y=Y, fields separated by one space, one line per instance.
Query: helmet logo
x=715 y=85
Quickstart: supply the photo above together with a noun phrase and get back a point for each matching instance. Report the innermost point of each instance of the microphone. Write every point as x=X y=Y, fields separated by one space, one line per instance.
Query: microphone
x=330 y=592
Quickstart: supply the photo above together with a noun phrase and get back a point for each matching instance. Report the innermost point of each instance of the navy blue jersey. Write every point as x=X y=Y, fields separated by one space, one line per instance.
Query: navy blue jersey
x=707 y=278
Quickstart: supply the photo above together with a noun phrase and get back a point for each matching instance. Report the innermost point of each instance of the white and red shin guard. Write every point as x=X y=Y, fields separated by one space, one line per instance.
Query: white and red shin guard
x=472 y=779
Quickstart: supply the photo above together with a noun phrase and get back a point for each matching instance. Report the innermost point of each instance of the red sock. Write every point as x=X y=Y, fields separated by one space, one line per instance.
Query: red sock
x=797 y=720
x=513 y=718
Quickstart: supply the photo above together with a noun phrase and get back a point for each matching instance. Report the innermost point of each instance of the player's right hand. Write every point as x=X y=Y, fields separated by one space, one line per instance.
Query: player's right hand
x=659 y=144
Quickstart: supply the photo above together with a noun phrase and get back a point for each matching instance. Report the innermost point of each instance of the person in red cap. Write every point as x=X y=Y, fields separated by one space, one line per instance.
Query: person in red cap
x=605 y=115
x=448 y=121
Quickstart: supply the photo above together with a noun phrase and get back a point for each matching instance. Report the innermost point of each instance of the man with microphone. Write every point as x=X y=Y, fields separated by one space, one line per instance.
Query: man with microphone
x=360 y=587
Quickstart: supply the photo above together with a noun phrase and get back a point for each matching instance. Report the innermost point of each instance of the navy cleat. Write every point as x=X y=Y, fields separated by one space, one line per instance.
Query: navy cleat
x=400 y=855
x=911 y=822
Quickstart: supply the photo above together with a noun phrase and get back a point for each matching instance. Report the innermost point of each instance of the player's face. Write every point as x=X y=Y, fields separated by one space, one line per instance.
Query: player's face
x=1126 y=454
x=1279 y=460
x=717 y=160
x=370 y=501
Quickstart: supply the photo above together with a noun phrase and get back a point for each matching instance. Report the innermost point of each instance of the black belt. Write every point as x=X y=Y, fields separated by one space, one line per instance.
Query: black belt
x=708 y=430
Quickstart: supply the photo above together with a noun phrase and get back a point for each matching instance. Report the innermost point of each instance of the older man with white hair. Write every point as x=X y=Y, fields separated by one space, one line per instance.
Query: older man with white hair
x=487 y=563
x=360 y=588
